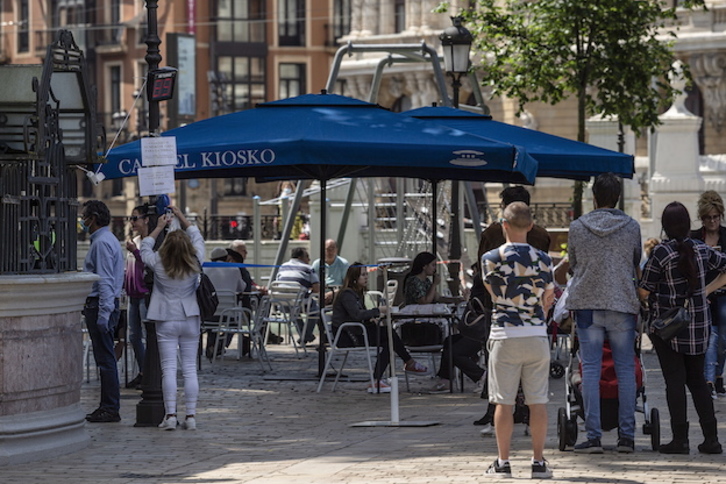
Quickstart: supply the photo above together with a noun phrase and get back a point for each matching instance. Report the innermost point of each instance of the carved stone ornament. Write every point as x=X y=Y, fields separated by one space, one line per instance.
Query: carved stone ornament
x=709 y=73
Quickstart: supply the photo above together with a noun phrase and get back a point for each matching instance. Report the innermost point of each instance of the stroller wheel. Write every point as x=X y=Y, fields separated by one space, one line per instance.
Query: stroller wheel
x=557 y=370
x=654 y=429
x=571 y=426
x=562 y=428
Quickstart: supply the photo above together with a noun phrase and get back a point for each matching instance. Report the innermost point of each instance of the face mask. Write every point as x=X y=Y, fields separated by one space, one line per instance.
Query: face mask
x=85 y=228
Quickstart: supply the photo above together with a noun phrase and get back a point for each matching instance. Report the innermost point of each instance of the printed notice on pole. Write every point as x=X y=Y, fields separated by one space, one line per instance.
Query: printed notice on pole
x=157 y=151
x=156 y=180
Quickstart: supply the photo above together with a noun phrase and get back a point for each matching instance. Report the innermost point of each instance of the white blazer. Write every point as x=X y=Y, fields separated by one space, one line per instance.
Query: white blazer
x=172 y=299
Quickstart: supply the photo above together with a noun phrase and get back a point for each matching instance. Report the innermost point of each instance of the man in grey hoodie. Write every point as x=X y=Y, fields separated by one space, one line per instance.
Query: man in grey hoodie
x=604 y=249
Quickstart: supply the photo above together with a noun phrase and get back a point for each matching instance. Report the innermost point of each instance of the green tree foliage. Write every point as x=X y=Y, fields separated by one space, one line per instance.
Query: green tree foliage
x=615 y=56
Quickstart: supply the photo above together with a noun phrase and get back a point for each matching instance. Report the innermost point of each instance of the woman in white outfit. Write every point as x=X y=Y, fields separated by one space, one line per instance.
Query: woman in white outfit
x=174 y=308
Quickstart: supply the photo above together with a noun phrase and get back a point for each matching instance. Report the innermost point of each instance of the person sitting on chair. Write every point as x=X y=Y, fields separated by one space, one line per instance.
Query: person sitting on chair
x=418 y=288
x=298 y=269
x=227 y=281
x=349 y=307
x=464 y=351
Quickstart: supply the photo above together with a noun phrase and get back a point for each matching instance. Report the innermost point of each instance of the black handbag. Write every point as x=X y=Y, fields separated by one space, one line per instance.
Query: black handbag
x=206 y=297
x=476 y=320
x=672 y=322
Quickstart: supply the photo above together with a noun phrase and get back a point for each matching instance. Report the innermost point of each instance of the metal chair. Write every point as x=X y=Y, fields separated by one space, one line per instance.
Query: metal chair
x=242 y=322
x=287 y=300
x=335 y=350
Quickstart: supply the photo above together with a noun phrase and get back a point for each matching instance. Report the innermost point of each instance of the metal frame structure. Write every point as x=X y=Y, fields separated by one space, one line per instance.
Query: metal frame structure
x=47 y=128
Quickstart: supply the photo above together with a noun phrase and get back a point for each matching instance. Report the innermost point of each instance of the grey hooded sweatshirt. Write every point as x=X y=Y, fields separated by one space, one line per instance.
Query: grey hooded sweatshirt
x=604 y=249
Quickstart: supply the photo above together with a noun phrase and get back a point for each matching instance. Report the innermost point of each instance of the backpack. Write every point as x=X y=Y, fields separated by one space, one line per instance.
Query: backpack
x=476 y=320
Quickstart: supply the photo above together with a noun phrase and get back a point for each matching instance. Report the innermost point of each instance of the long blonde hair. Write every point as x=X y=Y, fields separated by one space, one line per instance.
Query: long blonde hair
x=178 y=255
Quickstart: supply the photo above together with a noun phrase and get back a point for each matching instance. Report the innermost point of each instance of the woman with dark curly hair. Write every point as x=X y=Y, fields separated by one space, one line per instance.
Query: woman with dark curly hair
x=674 y=275
x=713 y=234
x=348 y=306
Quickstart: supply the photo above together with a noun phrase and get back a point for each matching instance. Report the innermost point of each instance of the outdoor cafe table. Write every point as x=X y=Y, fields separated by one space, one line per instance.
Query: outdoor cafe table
x=449 y=318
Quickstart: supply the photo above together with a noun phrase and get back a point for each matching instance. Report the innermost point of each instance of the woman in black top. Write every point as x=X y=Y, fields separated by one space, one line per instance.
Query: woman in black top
x=349 y=307
x=713 y=234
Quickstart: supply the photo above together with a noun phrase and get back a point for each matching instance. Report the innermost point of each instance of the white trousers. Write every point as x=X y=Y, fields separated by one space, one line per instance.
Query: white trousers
x=183 y=335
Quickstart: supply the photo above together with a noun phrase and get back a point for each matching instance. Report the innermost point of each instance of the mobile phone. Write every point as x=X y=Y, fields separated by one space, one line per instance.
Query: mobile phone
x=168 y=211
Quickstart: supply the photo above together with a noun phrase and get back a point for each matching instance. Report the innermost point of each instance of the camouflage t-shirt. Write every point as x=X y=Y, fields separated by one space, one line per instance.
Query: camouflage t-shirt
x=518 y=275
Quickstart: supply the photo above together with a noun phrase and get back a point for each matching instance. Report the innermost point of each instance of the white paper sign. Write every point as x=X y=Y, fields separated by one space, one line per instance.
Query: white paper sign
x=157 y=151
x=156 y=180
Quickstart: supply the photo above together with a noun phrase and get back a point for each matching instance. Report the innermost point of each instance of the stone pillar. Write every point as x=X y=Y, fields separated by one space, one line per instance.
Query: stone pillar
x=677 y=176
x=356 y=18
x=604 y=132
x=413 y=17
x=370 y=18
x=41 y=365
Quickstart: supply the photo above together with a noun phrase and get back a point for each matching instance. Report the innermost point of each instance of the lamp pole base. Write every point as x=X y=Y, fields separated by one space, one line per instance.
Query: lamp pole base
x=150 y=410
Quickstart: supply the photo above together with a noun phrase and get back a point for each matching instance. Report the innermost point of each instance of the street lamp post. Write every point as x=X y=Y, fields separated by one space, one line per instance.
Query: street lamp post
x=456 y=43
x=150 y=410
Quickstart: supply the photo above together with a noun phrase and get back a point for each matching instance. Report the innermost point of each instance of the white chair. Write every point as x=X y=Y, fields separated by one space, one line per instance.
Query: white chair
x=286 y=304
x=235 y=321
x=335 y=350
x=391 y=291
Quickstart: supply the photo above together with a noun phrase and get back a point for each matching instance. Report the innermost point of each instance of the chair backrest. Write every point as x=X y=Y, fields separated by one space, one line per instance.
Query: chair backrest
x=391 y=291
x=373 y=299
x=287 y=296
x=326 y=316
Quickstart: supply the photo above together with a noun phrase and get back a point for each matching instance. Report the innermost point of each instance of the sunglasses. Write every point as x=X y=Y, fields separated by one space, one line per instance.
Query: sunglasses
x=134 y=218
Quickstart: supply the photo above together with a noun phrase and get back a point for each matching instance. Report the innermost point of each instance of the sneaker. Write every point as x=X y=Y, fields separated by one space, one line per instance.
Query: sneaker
x=719 y=387
x=169 y=423
x=103 y=415
x=189 y=424
x=712 y=390
x=625 y=445
x=416 y=368
x=592 y=446
x=383 y=387
x=505 y=470
x=540 y=470
x=487 y=429
x=441 y=386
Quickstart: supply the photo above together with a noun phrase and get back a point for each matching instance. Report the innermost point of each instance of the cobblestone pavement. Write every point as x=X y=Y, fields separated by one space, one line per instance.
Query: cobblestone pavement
x=255 y=428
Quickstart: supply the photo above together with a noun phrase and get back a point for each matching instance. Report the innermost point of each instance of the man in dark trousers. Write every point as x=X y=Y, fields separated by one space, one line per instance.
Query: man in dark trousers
x=101 y=310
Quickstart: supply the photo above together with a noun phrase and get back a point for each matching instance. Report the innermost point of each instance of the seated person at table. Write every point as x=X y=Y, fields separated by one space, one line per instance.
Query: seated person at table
x=464 y=351
x=418 y=288
x=298 y=269
x=229 y=283
x=349 y=307
x=335 y=267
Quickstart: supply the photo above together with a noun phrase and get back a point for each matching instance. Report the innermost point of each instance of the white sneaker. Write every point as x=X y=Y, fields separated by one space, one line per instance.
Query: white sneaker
x=189 y=424
x=486 y=430
x=169 y=423
x=382 y=386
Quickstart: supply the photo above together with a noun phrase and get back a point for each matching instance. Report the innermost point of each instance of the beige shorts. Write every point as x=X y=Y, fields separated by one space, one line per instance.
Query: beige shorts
x=519 y=359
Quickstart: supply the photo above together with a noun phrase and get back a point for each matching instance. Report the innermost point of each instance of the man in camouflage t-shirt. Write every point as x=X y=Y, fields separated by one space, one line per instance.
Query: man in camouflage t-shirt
x=519 y=279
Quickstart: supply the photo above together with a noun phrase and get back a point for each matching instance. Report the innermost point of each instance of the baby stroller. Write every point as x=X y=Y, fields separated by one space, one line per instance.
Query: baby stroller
x=567 y=415
x=558 y=327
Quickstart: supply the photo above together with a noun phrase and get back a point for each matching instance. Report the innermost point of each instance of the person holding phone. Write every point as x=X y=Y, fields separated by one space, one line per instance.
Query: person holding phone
x=418 y=288
x=712 y=233
x=174 y=307
x=349 y=306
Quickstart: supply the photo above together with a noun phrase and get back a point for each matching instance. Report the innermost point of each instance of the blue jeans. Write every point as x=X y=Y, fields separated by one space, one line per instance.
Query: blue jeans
x=103 y=352
x=135 y=316
x=716 y=353
x=592 y=328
